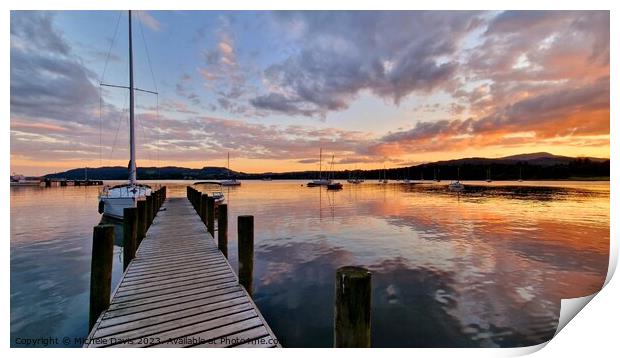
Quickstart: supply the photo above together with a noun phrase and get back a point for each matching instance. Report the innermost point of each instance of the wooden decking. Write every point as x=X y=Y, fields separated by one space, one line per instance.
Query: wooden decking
x=180 y=291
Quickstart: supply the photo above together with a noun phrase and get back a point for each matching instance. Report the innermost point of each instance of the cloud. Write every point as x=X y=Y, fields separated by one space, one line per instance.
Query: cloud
x=569 y=112
x=391 y=54
x=149 y=21
x=47 y=81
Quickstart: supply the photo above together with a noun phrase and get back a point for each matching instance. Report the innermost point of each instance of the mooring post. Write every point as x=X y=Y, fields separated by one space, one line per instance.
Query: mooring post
x=130 y=233
x=154 y=207
x=352 y=308
x=245 y=238
x=141 y=231
x=149 y=211
x=222 y=229
x=100 y=271
x=211 y=215
x=204 y=198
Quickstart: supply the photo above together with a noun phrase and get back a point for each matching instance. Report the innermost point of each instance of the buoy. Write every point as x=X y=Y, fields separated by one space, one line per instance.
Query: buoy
x=101 y=206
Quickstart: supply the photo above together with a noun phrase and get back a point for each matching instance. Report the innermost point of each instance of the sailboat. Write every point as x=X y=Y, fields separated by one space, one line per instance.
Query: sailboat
x=114 y=199
x=332 y=185
x=520 y=180
x=456 y=185
x=355 y=178
x=406 y=180
x=488 y=175
x=230 y=182
x=384 y=180
x=320 y=181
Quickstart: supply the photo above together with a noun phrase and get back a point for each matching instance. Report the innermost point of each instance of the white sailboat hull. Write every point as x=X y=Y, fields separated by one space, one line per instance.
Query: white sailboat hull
x=231 y=182
x=113 y=207
x=116 y=199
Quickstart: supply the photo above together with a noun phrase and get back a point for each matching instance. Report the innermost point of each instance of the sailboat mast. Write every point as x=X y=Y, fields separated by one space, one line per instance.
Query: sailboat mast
x=132 y=132
x=320 y=162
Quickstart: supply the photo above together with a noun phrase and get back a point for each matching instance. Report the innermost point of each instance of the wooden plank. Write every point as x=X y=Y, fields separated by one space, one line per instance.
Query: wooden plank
x=199 y=307
x=180 y=291
x=118 y=304
x=175 y=328
x=223 y=294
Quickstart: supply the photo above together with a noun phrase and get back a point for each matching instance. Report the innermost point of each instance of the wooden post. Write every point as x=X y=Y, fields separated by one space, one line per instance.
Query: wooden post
x=100 y=271
x=352 y=308
x=204 y=198
x=211 y=215
x=141 y=231
x=130 y=232
x=149 y=211
x=154 y=207
x=245 y=238
x=222 y=228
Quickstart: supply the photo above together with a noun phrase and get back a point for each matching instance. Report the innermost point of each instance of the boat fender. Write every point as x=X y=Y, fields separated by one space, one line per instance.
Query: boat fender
x=101 y=205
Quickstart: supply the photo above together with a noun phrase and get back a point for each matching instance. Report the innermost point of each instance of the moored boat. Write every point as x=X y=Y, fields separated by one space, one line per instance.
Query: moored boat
x=114 y=199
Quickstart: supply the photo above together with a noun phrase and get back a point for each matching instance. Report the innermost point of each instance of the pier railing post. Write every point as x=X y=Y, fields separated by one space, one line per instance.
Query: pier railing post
x=211 y=215
x=222 y=229
x=149 y=211
x=130 y=232
x=245 y=238
x=100 y=271
x=204 y=198
x=141 y=231
x=352 y=308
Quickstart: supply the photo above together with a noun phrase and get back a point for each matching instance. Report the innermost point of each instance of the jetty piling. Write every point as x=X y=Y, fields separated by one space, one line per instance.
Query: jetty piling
x=203 y=207
x=245 y=239
x=141 y=229
x=100 y=271
x=222 y=229
x=130 y=233
x=149 y=210
x=211 y=215
x=352 y=308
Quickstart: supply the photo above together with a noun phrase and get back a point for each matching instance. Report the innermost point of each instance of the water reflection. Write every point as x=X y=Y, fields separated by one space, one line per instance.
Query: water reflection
x=487 y=267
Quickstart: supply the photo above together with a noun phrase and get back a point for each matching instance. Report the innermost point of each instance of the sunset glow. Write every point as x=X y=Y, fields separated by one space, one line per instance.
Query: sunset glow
x=373 y=88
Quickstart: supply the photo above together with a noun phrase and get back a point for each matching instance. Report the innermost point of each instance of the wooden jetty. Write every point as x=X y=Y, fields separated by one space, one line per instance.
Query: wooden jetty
x=179 y=291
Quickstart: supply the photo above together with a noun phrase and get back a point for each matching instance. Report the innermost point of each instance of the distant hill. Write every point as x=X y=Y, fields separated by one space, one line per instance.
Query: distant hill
x=531 y=166
x=146 y=173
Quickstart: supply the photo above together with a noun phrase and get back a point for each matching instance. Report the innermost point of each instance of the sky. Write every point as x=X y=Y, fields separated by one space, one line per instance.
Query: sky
x=371 y=88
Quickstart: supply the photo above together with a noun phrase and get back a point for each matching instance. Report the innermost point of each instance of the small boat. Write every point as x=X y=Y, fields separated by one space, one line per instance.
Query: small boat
x=456 y=186
x=488 y=175
x=520 y=180
x=355 y=179
x=218 y=196
x=113 y=199
x=229 y=182
x=320 y=181
x=384 y=180
x=406 y=181
x=333 y=185
x=266 y=179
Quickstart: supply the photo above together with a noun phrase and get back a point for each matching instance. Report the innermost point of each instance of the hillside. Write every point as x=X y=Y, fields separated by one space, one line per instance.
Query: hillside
x=531 y=166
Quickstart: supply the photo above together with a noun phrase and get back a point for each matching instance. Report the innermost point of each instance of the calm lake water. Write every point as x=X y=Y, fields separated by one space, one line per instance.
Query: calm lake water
x=484 y=268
